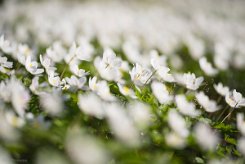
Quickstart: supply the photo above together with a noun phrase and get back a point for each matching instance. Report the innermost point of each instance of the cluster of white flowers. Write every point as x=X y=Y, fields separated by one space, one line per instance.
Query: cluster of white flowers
x=135 y=74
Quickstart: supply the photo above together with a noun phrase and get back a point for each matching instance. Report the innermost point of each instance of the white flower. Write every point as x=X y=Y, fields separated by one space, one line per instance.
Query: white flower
x=73 y=81
x=235 y=99
x=101 y=88
x=54 y=79
x=121 y=124
x=32 y=66
x=139 y=75
x=77 y=71
x=56 y=52
x=241 y=123
x=195 y=45
x=82 y=148
x=19 y=96
x=177 y=123
x=22 y=52
x=222 y=90
x=207 y=67
x=156 y=60
x=161 y=93
x=85 y=50
x=109 y=66
x=205 y=136
x=174 y=140
x=5 y=45
x=47 y=63
x=91 y=105
x=163 y=73
x=241 y=145
x=191 y=82
x=5 y=91
x=140 y=113
x=185 y=107
x=52 y=103
x=4 y=63
x=126 y=91
x=14 y=120
x=206 y=103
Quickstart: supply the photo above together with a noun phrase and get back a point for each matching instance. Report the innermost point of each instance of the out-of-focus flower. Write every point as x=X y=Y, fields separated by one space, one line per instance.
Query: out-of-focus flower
x=207 y=67
x=162 y=94
x=43 y=156
x=14 y=120
x=91 y=105
x=5 y=45
x=235 y=99
x=23 y=52
x=185 y=107
x=222 y=90
x=174 y=140
x=32 y=66
x=177 y=123
x=56 y=52
x=19 y=96
x=52 y=103
x=5 y=157
x=240 y=122
x=241 y=145
x=205 y=136
x=122 y=125
x=206 y=103
x=140 y=114
x=196 y=46
x=85 y=149
x=139 y=75
x=126 y=91
x=47 y=63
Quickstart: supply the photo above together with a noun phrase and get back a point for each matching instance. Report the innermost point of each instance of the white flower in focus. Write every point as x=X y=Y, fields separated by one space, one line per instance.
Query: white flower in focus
x=109 y=66
x=185 y=107
x=47 y=63
x=240 y=123
x=191 y=82
x=241 y=145
x=91 y=104
x=73 y=81
x=205 y=136
x=206 y=103
x=222 y=90
x=52 y=103
x=101 y=88
x=175 y=141
x=139 y=75
x=177 y=123
x=235 y=99
x=77 y=71
x=161 y=93
x=54 y=79
x=32 y=66
x=126 y=91
x=207 y=67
